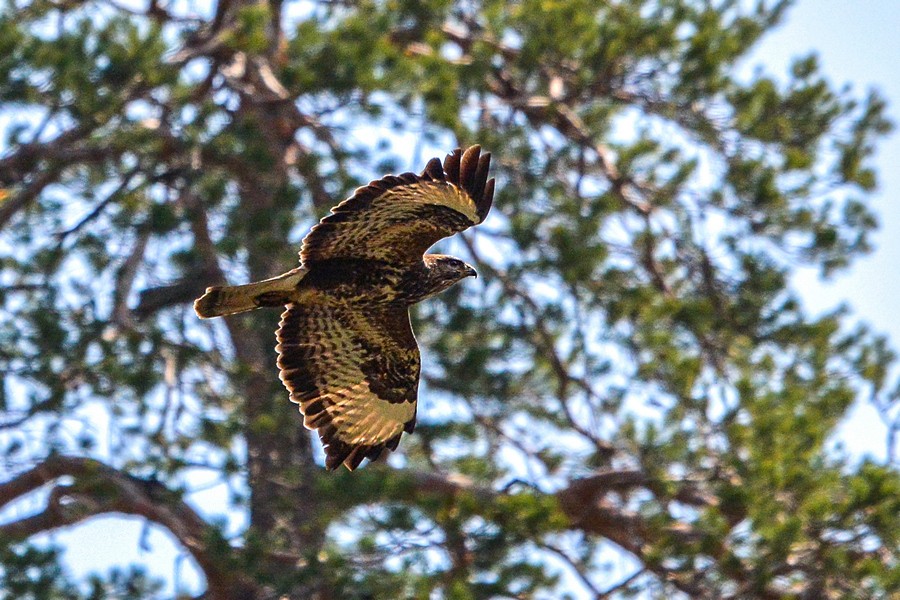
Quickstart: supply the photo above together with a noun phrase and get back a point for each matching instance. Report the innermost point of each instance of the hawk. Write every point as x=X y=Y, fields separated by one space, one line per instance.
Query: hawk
x=346 y=349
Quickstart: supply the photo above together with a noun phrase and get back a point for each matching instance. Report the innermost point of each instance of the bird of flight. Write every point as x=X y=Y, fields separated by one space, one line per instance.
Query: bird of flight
x=346 y=349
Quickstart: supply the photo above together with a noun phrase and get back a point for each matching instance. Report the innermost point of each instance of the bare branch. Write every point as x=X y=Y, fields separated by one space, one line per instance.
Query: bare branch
x=100 y=489
x=576 y=567
x=97 y=210
x=125 y=278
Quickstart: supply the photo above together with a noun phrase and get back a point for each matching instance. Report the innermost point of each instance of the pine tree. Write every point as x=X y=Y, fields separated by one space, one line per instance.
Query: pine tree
x=632 y=374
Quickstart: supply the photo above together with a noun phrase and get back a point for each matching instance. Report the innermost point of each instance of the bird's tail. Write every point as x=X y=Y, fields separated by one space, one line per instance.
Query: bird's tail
x=224 y=300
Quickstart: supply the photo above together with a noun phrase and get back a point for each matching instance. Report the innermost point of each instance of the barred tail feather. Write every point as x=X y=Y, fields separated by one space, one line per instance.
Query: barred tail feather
x=222 y=300
x=219 y=301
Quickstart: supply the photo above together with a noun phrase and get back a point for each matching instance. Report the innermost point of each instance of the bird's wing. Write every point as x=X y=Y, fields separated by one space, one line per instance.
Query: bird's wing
x=354 y=374
x=397 y=218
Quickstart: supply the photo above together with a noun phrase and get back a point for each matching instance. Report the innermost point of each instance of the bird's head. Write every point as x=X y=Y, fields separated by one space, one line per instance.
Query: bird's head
x=444 y=271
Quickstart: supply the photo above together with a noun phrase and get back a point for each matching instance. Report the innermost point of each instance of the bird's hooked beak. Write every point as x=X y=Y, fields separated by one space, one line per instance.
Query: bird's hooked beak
x=471 y=272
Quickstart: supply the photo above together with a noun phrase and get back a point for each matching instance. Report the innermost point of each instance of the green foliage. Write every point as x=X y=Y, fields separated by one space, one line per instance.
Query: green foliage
x=32 y=573
x=632 y=366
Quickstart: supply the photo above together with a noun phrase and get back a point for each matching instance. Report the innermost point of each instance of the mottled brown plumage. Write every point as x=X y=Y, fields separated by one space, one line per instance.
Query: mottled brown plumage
x=346 y=350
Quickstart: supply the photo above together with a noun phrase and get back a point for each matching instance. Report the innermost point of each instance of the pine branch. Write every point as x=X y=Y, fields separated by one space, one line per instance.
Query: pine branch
x=589 y=506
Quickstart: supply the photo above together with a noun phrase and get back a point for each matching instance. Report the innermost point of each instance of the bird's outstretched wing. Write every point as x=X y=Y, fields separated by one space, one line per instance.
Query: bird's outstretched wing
x=397 y=218
x=354 y=375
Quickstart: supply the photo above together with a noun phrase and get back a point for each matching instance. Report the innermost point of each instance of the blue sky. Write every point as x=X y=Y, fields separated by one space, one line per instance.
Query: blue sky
x=858 y=43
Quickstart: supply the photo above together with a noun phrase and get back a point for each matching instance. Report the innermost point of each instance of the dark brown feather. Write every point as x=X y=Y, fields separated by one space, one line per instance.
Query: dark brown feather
x=481 y=172
x=434 y=170
x=468 y=168
x=451 y=165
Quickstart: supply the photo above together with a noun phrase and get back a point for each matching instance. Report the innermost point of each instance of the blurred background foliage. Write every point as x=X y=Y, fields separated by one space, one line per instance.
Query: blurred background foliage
x=631 y=376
